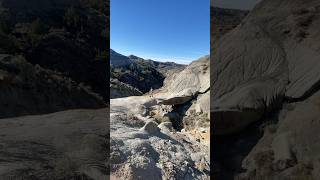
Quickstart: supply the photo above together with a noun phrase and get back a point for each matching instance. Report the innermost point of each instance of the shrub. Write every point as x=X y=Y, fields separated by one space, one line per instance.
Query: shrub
x=5 y=26
x=38 y=27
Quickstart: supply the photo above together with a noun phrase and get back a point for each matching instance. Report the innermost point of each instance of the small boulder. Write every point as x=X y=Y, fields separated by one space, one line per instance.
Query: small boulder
x=166 y=126
x=151 y=127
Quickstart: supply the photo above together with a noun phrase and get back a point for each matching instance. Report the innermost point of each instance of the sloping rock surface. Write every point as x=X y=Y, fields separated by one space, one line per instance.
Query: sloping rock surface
x=63 y=145
x=194 y=79
x=270 y=56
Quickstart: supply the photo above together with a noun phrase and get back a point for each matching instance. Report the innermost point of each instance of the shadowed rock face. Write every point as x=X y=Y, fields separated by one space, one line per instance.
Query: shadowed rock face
x=224 y=20
x=265 y=92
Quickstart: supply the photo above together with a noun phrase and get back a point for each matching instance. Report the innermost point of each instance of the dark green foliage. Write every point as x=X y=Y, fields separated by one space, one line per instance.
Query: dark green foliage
x=73 y=19
x=5 y=26
x=8 y=44
x=59 y=38
x=35 y=32
x=102 y=55
x=38 y=27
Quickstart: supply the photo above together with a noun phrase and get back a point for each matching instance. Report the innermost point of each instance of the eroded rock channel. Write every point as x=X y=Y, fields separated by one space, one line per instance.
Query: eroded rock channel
x=165 y=135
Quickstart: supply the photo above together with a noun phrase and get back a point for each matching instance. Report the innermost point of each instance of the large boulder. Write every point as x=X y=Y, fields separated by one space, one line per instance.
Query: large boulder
x=288 y=150
x=197 y=81
x=271 y=55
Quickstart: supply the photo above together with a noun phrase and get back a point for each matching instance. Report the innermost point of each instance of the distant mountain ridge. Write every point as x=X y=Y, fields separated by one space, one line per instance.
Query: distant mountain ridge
x=166 y=68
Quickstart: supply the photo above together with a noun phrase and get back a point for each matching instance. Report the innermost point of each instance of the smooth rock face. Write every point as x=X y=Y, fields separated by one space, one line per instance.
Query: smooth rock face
x=198 y=78
x=271 y=55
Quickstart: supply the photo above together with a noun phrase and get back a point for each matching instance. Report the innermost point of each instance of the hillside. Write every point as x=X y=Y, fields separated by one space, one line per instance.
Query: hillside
x=47 y=33
x=53 y=89
x=165 y=68
x=139 y=73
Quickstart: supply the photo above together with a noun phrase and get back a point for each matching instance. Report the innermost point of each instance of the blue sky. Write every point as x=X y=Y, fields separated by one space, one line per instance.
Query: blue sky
x=163 y=30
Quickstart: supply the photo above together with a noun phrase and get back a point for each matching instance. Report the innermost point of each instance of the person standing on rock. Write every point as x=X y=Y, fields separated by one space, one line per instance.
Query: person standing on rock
x=150 y=93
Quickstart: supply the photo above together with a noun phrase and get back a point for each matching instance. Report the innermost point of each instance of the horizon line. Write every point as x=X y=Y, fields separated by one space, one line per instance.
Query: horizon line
x=161 y=58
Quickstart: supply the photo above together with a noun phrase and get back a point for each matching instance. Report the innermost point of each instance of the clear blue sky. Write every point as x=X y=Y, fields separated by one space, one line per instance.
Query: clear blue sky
x=163 y=30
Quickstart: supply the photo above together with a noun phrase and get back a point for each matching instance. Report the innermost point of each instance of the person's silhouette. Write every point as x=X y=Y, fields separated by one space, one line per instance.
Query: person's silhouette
x=150 y=93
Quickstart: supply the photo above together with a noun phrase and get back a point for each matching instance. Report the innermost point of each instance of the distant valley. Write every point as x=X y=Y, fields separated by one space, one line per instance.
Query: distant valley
x=134 y=76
